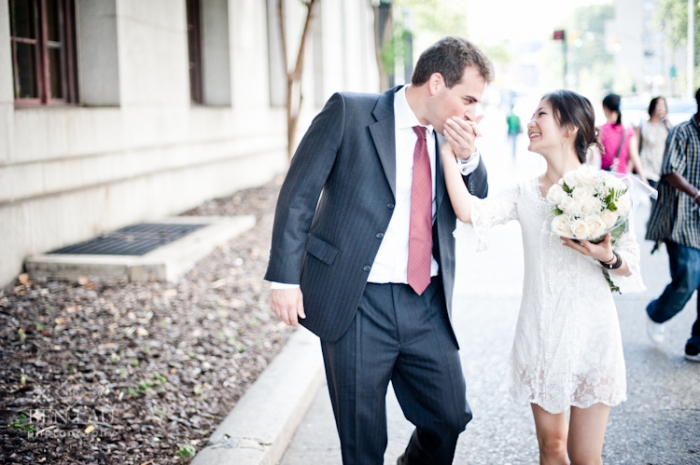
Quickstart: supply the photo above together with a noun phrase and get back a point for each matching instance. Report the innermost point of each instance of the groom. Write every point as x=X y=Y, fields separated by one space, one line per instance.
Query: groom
x=363 y=254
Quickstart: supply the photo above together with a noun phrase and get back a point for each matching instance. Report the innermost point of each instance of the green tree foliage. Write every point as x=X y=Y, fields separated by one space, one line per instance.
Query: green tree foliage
x=672 y=18
x=441 y=17
x=589 y=60
x=428 y=21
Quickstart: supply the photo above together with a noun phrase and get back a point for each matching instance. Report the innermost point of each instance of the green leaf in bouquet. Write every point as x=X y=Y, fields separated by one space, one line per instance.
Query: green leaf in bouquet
x=566 y=188
x=620 y=227
x=611 y=196
x=613 y=287
x=612 y=207
x=556 y=211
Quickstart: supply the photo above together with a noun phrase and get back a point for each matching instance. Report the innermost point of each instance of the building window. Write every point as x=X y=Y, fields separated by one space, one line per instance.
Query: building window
x=43 y=51
x=194 y=45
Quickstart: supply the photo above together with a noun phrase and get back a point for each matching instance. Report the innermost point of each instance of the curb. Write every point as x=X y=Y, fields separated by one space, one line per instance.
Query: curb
x=261 y=425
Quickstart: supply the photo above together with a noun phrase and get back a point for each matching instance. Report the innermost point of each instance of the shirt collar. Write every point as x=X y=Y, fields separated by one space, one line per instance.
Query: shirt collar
x=404 y=116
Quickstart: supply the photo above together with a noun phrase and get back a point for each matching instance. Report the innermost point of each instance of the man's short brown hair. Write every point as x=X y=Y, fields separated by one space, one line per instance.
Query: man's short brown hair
x=449 y=57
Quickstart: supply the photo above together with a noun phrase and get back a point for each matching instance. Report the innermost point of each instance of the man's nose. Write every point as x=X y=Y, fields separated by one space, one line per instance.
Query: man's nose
x=470 y=114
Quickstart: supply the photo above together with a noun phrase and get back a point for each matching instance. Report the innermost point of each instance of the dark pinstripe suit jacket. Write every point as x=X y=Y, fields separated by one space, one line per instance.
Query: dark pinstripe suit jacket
x=328 y=244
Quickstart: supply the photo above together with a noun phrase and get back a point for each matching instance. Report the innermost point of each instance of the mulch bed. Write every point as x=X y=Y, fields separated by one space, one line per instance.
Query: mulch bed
x=141 y=373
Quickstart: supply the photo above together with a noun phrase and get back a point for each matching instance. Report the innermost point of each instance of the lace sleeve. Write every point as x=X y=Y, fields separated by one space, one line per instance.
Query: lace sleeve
x=628 y=248
x=487 y=213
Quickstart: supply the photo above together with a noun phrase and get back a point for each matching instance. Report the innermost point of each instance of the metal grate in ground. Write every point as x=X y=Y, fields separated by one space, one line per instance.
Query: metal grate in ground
x=136 y=240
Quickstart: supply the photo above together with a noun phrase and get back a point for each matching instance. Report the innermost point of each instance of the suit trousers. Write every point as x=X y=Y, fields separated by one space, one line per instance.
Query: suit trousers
x=404 y=338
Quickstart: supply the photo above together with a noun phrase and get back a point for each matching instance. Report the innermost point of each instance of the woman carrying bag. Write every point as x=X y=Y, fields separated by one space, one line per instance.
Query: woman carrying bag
x=652 y=136
x=619 y=142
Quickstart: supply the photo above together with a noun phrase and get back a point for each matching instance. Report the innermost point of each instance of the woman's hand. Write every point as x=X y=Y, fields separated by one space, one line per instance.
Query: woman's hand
x=602 y=251
x=461 y=134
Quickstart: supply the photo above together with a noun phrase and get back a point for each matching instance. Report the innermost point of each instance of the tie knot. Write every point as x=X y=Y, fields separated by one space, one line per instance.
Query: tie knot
x=420 y=131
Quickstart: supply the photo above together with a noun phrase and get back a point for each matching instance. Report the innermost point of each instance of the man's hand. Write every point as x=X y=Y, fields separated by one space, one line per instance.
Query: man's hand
x=288 y=304
x=462 y=134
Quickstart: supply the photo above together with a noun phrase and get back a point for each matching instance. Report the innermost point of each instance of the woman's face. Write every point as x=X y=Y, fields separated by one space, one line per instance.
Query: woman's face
x=609 y=114
x=544 y=131
x=660 y=109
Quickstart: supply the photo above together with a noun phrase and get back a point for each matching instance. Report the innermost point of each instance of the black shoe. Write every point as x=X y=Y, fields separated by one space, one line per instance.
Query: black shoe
x=402 y=460
x=692 y=352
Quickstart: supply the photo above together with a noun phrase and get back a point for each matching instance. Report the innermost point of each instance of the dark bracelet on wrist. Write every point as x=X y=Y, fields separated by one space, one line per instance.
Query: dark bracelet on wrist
x=612 y=266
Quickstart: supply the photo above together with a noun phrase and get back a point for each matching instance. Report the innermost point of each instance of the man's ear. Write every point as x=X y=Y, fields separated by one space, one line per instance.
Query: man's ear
x=435 y=82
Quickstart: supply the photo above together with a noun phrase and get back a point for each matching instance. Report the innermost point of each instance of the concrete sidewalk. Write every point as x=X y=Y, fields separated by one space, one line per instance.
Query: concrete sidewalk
x=659 y=424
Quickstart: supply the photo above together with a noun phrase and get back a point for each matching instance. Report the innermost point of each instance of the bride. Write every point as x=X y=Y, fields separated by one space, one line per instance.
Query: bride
x=567 y=352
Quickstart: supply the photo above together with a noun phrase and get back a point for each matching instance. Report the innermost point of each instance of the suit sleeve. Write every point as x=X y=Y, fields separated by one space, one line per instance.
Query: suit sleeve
x=477 y=181
x=308 y=172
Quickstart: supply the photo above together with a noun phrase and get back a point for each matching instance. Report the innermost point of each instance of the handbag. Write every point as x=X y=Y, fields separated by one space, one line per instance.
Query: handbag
x=613 y=165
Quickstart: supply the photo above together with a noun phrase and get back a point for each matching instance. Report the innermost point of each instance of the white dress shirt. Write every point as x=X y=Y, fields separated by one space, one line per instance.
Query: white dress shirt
x=391 y=263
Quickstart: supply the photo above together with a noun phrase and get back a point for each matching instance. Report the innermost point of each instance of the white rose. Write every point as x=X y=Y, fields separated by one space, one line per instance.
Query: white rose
x=591 y=205
x=596 y=226
x=568 y=205
x=623 y=205
x=613 y=182
x=582 y=193
x=587 y=175
x=556 y=194
x=609 y=217
x=579 y=228
x=571 y=179
x=560 y=226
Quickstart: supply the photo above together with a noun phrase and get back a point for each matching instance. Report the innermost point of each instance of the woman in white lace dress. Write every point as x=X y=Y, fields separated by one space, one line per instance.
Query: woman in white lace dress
x=567 y=352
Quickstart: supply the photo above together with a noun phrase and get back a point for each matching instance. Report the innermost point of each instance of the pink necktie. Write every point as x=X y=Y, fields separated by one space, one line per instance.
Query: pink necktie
x=420 y=240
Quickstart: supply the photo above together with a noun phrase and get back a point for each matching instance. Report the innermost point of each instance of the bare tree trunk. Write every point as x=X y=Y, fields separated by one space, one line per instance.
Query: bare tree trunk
x=381 y=37
x=295 y=96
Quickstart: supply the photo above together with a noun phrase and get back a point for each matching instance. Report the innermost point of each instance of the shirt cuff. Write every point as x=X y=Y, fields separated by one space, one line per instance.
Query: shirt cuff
x=467 y=167
x=276 y=286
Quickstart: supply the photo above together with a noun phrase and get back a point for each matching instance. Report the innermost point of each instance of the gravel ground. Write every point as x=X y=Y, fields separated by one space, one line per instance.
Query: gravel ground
x=93 y=373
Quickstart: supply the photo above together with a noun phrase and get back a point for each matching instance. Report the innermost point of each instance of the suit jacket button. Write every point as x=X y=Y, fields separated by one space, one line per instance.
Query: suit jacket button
x=380 y=235
x=367 y=268
x=390 y=206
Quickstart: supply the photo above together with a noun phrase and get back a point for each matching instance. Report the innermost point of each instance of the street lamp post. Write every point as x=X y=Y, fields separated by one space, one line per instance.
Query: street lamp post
x=561 y=35
x=691 y=49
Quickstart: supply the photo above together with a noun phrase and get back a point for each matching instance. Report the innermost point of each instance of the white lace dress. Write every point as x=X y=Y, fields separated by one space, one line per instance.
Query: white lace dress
x=567 y=348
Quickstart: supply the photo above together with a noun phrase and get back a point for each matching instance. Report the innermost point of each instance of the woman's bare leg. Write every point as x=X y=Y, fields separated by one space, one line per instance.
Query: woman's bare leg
x=587 y=433
x=551 y=436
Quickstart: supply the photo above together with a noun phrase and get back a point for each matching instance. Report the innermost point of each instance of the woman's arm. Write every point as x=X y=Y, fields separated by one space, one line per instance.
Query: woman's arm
x=456 y=189
x=636 y=160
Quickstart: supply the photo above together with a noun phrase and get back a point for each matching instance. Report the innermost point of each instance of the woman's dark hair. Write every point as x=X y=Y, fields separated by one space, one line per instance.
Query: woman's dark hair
x=449 y=56
x=612 y=103
x=653 y=103
x=572 y=109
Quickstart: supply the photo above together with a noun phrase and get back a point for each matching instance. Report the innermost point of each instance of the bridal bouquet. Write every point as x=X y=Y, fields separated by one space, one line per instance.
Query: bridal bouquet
x=589 y=203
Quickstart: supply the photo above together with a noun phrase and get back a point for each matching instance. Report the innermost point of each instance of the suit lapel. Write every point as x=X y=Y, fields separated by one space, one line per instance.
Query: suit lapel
x=383 y=133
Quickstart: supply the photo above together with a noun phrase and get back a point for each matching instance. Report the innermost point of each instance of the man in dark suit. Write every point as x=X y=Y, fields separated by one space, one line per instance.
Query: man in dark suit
x=363 y=253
